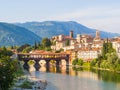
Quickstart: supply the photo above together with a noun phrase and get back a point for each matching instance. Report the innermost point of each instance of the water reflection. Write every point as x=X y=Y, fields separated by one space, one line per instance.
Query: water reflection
x=72 y=78
x=94 y=74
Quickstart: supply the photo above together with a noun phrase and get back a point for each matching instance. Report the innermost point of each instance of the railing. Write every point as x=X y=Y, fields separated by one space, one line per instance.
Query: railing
x=42 y=56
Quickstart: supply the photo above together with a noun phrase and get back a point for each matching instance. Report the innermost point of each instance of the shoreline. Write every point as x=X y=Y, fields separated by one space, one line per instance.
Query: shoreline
x=34 y=83
x=95 y=68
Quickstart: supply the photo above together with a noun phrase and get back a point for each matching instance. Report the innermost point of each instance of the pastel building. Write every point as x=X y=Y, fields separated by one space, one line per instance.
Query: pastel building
x=86 y=46
x=88 y=54
x=116 y=44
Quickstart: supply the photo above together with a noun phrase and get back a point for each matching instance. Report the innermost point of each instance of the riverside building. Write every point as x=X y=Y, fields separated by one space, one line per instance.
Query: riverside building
x=83 y=46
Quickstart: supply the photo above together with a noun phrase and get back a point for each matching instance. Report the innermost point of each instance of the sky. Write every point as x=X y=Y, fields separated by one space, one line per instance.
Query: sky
x=98 y=14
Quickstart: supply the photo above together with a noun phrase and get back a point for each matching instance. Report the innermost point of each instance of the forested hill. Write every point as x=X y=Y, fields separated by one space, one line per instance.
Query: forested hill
x=14 y=35
x=52 y=28
x=29 y=32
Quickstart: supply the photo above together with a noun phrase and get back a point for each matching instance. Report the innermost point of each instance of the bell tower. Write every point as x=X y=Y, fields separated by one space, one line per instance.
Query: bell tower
x=71 y=34
x=97 y=34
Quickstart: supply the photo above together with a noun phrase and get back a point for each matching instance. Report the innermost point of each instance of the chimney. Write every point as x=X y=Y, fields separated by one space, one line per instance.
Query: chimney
x=71 y=34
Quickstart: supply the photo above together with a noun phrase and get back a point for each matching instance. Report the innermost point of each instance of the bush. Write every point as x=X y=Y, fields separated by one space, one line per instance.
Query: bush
x=26 y=84
x=77 y=62
x=80 y=62
x=74 y=62
x=93 y=62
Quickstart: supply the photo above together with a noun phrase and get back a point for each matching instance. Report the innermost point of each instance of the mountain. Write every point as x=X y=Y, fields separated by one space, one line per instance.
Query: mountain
x=14 y=35
x=52 y=28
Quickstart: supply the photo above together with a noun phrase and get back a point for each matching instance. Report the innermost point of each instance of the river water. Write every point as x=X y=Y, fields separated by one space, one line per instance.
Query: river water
x=76 y=78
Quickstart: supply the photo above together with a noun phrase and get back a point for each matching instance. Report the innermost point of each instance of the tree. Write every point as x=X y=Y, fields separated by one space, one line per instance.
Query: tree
x=27 y=49
x=93 y=62
x=21 y=48
x=35 y=45
x=5 y=52
x=74 y=62
x=46 y=42
x=80 y=62
x=104 y=50
x=67 y=42
x=77 y=62
x=112 y=59
x=53 y=42
x=8 y=69
x=58 y=51
x=12 y=47
x=107 y=48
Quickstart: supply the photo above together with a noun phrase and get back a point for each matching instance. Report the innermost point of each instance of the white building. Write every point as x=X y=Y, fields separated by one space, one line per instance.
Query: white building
x=116 y=44
x=88 y=54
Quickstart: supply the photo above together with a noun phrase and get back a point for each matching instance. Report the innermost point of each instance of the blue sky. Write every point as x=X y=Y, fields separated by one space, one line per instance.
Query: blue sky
x=99 y=14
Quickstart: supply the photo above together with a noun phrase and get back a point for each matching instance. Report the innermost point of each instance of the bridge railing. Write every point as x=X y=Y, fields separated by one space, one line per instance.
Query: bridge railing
x=24 y=56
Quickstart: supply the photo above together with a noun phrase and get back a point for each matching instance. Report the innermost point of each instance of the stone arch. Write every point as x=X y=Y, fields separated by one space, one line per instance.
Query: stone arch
x=47 y=57
x=42 y=62
x=25 y=65
x=52 y=62
x=63 y=62
x=31 y=62
x=37 y=65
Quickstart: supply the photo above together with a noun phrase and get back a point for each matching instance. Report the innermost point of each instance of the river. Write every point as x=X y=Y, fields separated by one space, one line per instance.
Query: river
x=76 y=78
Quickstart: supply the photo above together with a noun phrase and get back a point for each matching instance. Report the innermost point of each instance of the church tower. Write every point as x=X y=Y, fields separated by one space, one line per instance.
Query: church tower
x=97 y=34
x=71 y=34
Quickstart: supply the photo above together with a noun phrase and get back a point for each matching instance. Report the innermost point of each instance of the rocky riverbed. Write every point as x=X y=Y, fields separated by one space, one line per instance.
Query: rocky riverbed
x=30 y=83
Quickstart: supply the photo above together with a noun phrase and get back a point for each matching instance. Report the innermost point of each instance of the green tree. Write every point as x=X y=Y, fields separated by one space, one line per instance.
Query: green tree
x=80 y=62
x=35 y=45
x=93 y=62
x=53 y=42
x=67 y=42
x=27 y=49
x=104 y=50
x=77 y=62
x=74 y=62
x=46 y=42
x=21 y=48
x=112 y=59
x=107 y=48
x=5 y=52
x=12 y=47
x=8 y=70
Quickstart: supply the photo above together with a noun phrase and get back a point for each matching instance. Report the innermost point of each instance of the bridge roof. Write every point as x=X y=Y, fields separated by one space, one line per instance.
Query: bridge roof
x=44 y=53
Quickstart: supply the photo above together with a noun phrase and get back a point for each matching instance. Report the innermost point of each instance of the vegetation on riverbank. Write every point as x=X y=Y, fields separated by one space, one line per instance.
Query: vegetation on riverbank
x=107 y=76
x=29 y=83
x=43 y=45
x=9 y=69
x=109 y=60
x=26 y=84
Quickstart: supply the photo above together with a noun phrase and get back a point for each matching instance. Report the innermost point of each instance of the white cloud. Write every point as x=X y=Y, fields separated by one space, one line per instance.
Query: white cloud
x=101 y=18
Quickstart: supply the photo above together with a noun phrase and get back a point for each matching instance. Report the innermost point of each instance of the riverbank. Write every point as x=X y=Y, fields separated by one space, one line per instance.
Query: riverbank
x=82 y=79
x=30 y=83
x=97 y=68
x=27 y=82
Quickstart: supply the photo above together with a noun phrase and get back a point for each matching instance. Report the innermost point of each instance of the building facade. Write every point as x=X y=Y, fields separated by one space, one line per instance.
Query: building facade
x=86 y=46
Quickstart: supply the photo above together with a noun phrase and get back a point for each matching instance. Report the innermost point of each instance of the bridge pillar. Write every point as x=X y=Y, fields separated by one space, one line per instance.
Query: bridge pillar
x=37 y=65
x=67 y=62
x=47 y=65
x=57 y=65
x=67 y=66
x=57 y=62
x=26 y=66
